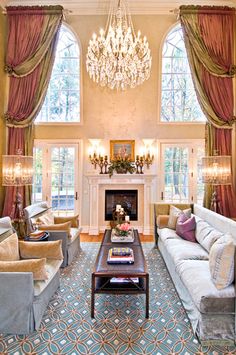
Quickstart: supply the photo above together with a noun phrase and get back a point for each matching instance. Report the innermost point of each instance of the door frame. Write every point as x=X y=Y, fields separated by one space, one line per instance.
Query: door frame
x=79 y=142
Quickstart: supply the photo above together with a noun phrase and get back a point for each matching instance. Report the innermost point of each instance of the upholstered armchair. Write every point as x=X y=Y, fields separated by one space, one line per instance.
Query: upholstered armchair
x=29 y=276
x=65 y=229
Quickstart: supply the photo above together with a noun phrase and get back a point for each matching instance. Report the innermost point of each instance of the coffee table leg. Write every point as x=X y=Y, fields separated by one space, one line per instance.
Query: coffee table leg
x=92 y=295
x=147 y=296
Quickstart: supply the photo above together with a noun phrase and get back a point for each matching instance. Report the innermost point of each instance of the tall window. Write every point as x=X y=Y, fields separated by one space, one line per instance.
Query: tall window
x=62 y=102
x=178 y=99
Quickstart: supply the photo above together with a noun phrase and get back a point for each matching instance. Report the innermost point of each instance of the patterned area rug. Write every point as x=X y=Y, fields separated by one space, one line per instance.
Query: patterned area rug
x=119 y=327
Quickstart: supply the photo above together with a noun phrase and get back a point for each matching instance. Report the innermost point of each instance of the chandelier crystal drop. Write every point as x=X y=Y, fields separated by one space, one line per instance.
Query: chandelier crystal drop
x=118 y=58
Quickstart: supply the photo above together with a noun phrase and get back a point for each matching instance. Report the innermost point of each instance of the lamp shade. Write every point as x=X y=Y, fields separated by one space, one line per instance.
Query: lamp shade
x=216 y=170
x=17 y=170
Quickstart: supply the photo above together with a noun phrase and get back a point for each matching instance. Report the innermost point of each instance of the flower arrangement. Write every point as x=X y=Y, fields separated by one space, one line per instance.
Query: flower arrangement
x=121 y=166
x=123 y=229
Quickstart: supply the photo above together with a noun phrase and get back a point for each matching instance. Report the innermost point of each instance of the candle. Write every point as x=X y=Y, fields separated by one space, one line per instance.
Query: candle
x=118 y=207
x=127 y=218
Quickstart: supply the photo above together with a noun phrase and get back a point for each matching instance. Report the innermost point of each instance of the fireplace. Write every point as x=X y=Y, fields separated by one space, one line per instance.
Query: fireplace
x=128 y=199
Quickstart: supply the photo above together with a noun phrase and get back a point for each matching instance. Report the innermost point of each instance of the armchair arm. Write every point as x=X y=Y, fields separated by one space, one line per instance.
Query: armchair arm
x=16 y=300
x=73 y=219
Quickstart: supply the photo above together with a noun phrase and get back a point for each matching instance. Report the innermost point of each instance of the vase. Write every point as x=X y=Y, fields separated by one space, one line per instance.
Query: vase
x=121 y=170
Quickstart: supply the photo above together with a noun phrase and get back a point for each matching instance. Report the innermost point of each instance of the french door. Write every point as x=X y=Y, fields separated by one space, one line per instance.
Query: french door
x=56 y=176
x=181 y=172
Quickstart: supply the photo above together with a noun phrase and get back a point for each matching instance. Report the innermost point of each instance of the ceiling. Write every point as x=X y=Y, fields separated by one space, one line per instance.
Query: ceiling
x=94 y=7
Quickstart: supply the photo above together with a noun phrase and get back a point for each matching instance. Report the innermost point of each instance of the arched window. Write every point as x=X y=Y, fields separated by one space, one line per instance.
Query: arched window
x=62 y=101
x=178 y=98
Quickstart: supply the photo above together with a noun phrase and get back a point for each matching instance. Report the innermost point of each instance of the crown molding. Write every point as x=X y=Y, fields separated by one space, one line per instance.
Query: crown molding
x=101 y=7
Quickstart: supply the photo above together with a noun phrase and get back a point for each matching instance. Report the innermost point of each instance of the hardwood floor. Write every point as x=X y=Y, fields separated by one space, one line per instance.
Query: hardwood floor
x=84 y=237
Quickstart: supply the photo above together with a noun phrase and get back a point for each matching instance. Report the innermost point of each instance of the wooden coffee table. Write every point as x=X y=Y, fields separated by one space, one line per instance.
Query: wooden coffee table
x=103 y=272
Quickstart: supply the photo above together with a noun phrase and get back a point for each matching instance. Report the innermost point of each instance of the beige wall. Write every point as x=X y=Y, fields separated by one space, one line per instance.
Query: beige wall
x=108 y=114
x=134 y=113
x=2 y=95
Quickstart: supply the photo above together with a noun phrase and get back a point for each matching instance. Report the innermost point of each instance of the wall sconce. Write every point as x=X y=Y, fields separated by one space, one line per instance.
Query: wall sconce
x=146 y=154
x=96 y=155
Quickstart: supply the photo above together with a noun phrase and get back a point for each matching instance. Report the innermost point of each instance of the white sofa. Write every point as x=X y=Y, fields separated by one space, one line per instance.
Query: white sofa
x=23 y=301
x=211 y=311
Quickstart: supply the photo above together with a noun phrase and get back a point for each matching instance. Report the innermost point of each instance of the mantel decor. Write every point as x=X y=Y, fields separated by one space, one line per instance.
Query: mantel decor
x=121 y=166
x=122 y=149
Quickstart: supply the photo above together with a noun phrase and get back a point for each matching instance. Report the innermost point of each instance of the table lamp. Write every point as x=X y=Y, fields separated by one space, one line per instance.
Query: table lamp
x=17 y=170
x=216 y=170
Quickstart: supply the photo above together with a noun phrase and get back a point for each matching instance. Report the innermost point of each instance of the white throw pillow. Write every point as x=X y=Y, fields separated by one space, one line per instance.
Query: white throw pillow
x=221 y=261
x=174 y=214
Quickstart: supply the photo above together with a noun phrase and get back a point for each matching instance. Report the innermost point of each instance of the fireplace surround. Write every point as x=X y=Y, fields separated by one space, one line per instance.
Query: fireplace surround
x=98 y=183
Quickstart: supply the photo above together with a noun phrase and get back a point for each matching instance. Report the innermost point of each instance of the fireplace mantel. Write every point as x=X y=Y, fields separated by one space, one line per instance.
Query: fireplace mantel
x=146 y=181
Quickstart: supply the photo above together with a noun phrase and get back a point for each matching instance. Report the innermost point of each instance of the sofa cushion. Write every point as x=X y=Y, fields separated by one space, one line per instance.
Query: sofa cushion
x=221 y=261
x=185 y=227
x=52 y=267
x=9 y=250
x=174 y=214
x=166 y=233
x=205 y=234
x=180 y=249
x=196 y=276
x=49 y=250
x=36 y=266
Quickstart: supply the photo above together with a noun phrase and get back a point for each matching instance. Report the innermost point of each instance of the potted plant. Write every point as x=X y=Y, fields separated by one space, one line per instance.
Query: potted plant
x=121 y=166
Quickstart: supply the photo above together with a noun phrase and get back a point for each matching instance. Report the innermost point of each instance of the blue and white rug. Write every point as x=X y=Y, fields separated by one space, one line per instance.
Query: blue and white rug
x=119 y=327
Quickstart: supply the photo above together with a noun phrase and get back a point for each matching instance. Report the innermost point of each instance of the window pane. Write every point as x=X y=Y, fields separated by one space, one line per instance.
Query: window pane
x=178 y=100
x=62 y=102
x=38 y=177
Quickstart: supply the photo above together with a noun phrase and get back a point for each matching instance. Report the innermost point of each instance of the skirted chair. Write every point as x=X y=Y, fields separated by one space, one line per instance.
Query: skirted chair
x=29 y=276
x=65 y=229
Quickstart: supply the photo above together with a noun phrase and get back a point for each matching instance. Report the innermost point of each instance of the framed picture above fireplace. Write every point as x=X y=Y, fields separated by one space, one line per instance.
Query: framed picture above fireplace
x=120 y=149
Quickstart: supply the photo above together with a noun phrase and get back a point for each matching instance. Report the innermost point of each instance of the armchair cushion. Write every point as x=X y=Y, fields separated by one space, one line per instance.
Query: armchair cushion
x=9 y=250
x=36 y=266
x=46 y=218
x=56 y=227
x=49 y=250
x=73 y=219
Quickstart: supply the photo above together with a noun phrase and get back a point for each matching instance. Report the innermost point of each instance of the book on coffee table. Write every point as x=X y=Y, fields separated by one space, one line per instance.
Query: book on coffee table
x=120 y=259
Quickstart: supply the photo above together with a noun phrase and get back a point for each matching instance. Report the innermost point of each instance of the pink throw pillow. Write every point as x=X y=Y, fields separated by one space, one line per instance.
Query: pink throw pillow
x=185 y=227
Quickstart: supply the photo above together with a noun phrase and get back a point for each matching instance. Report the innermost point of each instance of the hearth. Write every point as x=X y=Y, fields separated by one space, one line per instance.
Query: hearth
x=128 y=199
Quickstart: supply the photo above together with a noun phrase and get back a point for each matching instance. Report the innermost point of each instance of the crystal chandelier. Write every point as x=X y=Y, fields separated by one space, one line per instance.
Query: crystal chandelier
x=117 y=58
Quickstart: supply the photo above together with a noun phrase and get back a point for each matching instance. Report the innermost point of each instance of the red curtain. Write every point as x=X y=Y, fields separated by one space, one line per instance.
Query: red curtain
x=31 y=45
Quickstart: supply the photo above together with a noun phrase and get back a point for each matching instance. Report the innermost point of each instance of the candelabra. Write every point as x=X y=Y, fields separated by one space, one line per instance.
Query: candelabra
x=148 y=159
x=103 y=163
x=139 y=164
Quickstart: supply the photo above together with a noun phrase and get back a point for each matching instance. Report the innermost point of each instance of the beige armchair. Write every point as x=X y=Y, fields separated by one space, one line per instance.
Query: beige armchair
x=64 y=228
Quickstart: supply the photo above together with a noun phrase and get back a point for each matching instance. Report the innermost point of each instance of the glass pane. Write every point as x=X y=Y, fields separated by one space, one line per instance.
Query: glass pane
x=179 y=101
x=62 y=102
x=63 y=179
x=38 y=177
x=176 y=174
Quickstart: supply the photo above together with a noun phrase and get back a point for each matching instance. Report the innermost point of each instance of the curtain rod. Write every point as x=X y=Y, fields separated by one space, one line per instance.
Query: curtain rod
x=64 y=11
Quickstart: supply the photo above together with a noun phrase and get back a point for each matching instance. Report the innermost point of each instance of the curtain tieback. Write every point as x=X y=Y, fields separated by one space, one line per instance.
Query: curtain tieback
x=8 y=69
x=232 y=70
x=12 y=121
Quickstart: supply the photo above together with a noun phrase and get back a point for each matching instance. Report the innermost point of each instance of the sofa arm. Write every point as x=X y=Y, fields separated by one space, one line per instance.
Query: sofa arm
x=73 y=219
x=162 y=221
x=16 y=300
